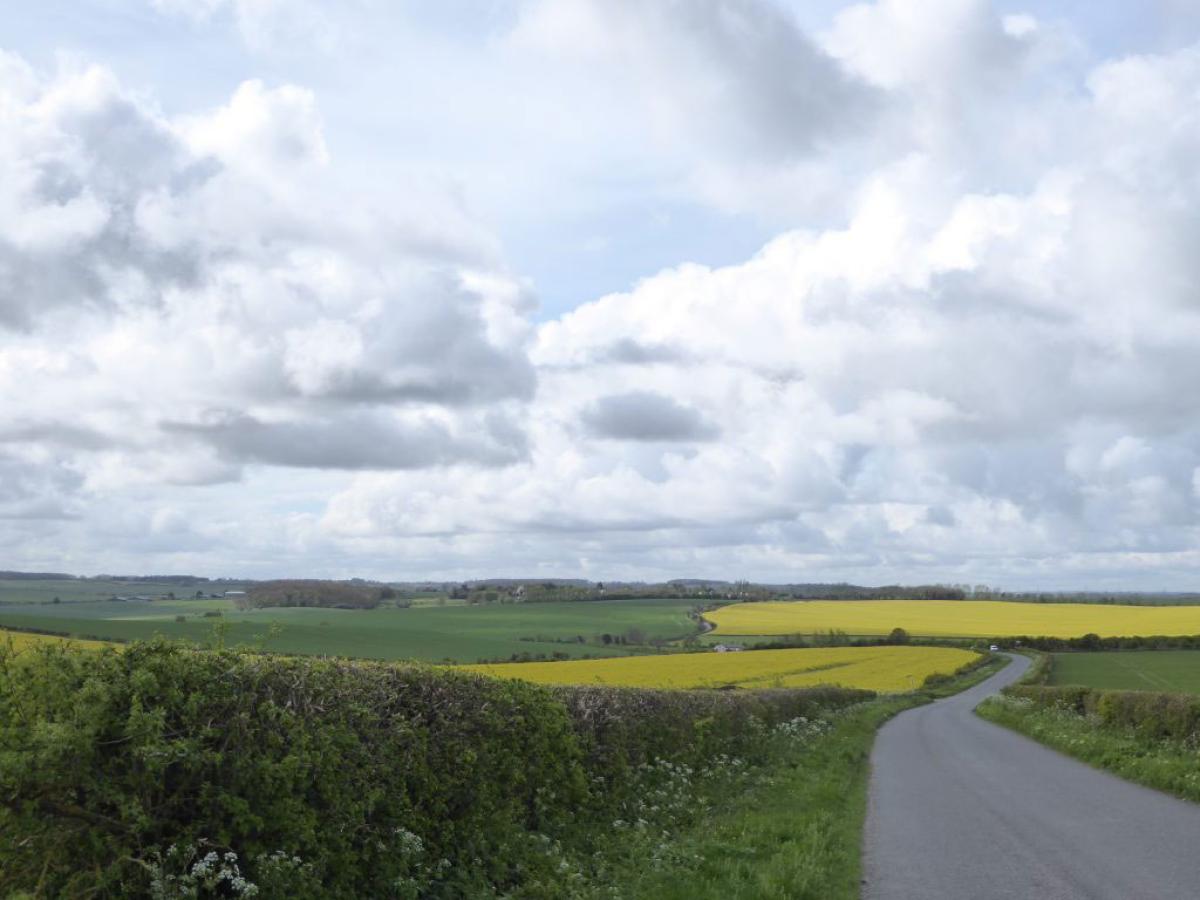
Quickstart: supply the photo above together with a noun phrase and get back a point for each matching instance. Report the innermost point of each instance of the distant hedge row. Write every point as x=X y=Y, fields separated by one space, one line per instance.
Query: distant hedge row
x=1092 y=642
x=1153 y=715
x=147 y=771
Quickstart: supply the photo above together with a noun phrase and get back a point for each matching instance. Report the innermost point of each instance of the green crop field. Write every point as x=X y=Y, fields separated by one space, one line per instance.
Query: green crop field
x=431 y=633
x=1133 y=670
x=22 y=591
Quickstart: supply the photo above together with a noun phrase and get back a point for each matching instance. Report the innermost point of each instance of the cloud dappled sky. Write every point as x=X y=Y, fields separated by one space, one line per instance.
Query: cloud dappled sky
x=892 y=291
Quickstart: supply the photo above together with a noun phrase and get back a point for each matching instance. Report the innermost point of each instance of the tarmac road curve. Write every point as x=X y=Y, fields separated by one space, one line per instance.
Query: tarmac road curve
x=961 y=809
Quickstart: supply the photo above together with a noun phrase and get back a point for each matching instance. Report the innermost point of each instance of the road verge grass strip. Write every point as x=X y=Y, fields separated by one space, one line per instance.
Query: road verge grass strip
x=797 y=832
x=1146 y=737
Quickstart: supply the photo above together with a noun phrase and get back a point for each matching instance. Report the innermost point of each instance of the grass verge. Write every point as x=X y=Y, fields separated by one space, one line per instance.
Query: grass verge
x=793 y=829
x=1167 y=765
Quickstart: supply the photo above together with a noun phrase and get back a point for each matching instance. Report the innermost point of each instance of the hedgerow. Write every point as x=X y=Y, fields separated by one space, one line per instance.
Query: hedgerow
x=1152 y=715
x=162 y=771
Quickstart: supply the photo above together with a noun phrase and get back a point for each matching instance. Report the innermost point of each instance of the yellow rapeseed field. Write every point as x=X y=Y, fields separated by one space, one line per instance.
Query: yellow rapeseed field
x=20 y=640
x=955 y=618
x=885 y=669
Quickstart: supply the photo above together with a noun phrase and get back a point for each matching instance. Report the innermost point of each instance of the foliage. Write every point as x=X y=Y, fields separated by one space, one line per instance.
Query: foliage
x=1095 y=643
x=794 y=832
x=794 y=829
x=1152 y=715
x=326 y=594
x=873 y=668
x=975 y=618
x=123 y=772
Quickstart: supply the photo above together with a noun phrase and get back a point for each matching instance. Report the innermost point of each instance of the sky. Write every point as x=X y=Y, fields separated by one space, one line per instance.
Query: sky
x=778 y=290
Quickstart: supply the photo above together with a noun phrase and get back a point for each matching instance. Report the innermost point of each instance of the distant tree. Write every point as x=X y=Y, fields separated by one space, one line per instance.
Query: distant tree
x=898 y=636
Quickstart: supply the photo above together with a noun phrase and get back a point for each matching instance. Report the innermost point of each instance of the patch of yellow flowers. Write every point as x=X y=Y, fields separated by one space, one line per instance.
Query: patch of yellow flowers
x=954 y=618
x=884 y=669
x=20 y=640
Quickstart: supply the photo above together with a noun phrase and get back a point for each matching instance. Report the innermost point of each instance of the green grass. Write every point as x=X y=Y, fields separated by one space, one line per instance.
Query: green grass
x=1132 y=670
x=20 y=591
x=796 y=832
x=431 y=633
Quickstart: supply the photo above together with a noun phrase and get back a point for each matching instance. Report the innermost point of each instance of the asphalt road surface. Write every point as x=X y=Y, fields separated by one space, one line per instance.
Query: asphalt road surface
x=962 y=809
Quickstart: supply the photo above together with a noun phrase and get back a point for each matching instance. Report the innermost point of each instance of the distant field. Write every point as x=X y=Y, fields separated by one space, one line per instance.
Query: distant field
x=1131 y=670
x=954 y=618
x=23 y=591
x=20 y=641
x=885 y=669
x=431 y=633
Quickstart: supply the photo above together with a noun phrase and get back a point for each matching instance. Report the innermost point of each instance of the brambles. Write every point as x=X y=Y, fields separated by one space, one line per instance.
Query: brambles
x=955 y=618
x=885 y=669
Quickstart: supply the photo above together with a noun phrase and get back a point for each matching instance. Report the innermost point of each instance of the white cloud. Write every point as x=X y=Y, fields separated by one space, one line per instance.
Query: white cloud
x=268 y=25
x=188 y=296
x=739 y=74
x=965 y=357
x=980 y=382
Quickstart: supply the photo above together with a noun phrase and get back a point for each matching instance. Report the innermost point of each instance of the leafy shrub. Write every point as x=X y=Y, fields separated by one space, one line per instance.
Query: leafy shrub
x=126 y=770
x=1153 y=715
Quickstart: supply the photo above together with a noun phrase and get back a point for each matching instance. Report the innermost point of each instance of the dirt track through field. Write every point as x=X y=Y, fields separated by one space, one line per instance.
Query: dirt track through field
x=961 y=808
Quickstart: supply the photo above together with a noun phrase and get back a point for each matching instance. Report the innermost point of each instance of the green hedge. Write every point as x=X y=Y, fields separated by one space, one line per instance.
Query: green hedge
x=1153 y=715
x=1093 y=642
x=121 y=771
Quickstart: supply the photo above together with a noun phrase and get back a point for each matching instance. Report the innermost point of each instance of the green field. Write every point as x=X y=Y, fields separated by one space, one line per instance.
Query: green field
x=431 y=633
x=1132 y=670
x=21 y=591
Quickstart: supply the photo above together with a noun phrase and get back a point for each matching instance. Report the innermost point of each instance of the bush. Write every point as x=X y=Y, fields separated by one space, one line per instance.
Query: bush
x=305 y=777
x=1153 y=715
